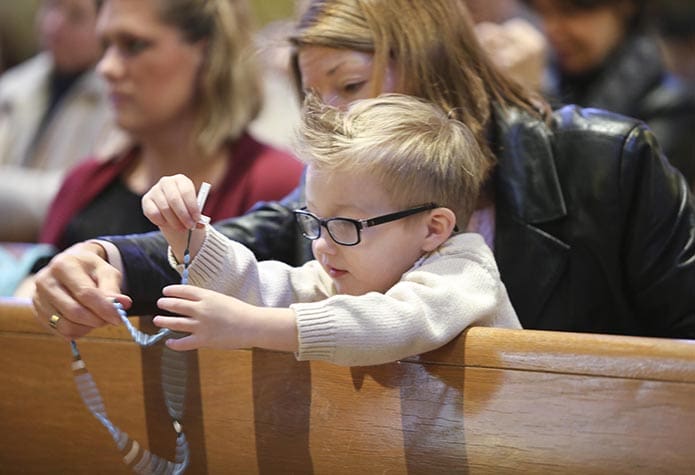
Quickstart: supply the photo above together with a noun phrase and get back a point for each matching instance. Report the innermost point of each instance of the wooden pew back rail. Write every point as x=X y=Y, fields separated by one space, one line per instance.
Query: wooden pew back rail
x=492 y=401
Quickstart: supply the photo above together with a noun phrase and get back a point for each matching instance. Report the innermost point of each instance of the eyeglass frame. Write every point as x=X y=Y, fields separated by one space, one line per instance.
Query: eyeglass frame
x=359 y=224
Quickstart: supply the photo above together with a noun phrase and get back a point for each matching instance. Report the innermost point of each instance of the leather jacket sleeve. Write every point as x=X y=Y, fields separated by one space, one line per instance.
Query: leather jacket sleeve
x=595 y=231
x=268 y=229
x=660 y=241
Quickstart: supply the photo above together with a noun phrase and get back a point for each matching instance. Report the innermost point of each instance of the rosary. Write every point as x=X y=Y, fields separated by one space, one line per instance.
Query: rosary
x=174 y=372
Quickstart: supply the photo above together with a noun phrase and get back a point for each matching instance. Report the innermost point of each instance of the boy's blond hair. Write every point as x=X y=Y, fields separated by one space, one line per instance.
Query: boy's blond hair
x=417 y=151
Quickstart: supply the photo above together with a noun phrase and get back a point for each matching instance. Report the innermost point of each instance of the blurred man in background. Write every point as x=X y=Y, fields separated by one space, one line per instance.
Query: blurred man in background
x=53 y=112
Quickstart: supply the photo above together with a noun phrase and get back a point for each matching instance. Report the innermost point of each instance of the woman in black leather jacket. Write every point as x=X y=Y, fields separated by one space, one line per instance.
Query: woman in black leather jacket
x=603 y=56
x=592 y=230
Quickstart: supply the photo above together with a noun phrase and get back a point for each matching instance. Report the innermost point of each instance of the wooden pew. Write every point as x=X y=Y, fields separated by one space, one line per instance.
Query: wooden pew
x=492 y=401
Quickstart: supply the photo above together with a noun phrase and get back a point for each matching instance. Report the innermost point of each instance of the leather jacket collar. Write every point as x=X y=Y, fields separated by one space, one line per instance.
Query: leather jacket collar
x=528 y=183
x=528 y=194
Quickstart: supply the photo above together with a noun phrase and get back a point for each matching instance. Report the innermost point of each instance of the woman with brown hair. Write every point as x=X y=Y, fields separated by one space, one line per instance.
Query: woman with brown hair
x=591 y=228
x=184 y=89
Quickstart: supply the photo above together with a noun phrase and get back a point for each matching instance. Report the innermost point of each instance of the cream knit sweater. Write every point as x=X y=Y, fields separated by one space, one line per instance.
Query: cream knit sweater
x=446 y=291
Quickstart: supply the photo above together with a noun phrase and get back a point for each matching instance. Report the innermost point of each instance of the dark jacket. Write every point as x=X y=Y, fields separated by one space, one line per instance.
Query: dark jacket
x=633 y=81
x=595 y=231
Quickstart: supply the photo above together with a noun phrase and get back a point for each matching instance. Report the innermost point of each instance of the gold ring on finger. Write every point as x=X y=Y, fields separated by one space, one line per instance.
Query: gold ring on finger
x=53 y=321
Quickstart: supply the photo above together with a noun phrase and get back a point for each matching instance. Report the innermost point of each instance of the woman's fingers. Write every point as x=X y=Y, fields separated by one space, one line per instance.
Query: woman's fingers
x=79 y=286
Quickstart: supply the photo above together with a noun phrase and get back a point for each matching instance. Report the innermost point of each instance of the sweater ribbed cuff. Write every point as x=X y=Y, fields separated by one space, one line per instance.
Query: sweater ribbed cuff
x=208 y=262
x=210 y=259
x=316 y=330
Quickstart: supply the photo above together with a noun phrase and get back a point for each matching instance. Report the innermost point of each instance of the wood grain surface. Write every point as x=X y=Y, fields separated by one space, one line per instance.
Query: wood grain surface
x=492 y=401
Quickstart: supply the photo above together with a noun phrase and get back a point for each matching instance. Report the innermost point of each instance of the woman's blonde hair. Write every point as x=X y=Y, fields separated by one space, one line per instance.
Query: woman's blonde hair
x=432 y=44
x=415 y=150
x=229 y=89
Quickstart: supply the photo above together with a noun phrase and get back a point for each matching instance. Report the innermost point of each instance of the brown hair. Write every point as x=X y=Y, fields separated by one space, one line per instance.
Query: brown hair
x=230 y=94
x=434 y=47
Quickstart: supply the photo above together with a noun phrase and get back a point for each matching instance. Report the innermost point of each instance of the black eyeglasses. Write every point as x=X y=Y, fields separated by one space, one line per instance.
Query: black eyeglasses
x=346 y=231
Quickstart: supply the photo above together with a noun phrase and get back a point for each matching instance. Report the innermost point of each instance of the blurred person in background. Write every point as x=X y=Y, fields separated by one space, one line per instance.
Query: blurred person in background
x=498 y=11
x=603 y=56
x=674 y=24
x=53 y=112
x=17 y=33
x=280 y=115
x=514 y=43
x=184 y=86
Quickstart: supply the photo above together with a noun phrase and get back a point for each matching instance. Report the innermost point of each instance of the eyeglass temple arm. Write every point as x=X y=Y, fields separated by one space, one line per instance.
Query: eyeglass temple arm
x=365 y=223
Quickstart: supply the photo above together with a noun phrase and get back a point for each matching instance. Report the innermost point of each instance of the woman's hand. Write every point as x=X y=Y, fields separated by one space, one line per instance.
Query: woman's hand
x=219 y=321
x=517 y=48
x=74 y=292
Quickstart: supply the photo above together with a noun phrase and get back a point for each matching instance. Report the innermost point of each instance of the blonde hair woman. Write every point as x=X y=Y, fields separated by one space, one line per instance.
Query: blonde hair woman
x=184 y=88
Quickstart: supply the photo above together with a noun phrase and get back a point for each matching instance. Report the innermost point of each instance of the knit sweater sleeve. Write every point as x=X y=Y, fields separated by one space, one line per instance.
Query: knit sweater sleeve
x=456 y=287
x=231 y=268
x=445 y=292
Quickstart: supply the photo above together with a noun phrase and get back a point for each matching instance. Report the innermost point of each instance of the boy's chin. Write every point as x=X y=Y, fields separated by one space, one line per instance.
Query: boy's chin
x=355 y=291
x=343 y=289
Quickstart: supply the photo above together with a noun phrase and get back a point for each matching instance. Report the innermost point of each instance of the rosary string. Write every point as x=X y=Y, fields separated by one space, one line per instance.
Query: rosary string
x=174 y=377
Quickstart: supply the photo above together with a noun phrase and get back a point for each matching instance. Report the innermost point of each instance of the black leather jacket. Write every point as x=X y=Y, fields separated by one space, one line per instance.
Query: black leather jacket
x=595 y=231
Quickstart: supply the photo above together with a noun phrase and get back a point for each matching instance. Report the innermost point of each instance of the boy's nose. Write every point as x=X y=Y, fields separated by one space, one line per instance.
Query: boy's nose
x=323 y=245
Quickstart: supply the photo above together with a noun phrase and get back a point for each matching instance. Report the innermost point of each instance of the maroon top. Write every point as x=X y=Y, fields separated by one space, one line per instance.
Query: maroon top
x=257 y=172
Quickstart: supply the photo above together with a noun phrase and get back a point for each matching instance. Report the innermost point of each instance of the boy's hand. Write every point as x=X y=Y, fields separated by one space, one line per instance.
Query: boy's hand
x=219 y=321
x=172 y=205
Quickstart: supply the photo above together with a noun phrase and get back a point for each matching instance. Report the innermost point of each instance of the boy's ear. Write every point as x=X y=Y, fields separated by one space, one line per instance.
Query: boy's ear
x=440 y=224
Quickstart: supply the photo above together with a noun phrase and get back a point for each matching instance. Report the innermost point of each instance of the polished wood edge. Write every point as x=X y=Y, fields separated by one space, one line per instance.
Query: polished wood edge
x=658 y=359
x=565 y=352
x=17 y=316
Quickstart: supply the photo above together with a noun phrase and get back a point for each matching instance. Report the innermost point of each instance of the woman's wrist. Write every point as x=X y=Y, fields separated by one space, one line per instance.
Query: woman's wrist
x=107 y=251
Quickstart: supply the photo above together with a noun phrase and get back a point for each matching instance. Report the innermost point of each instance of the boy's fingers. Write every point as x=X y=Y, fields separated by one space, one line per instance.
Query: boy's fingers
x=182 y=344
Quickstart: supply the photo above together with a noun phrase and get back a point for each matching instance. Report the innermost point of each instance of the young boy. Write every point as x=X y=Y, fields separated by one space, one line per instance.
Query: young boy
x=387 y=182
